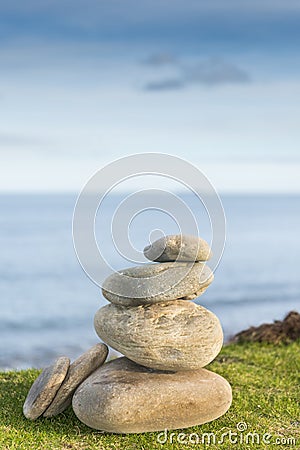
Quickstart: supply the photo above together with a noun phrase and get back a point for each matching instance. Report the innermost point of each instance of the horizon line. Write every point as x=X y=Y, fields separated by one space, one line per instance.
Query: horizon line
x=181 y=192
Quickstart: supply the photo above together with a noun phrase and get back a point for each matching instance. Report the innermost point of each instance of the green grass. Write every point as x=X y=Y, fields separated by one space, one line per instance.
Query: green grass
x=266 y=397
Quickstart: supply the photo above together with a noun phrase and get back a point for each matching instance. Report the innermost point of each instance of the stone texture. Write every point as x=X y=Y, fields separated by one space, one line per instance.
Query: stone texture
x=178 y=248
x=43 y=390
x=79 y=370
x=177 y=335
x=153 y=283
x=124 y=397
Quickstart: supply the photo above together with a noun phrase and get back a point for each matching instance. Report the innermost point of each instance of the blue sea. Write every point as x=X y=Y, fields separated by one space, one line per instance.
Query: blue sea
x=48 y=302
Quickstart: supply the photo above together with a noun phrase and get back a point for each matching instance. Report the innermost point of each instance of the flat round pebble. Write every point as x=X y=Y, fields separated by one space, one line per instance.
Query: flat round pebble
x=178 y=247
x=79 y=370
x=153 y=283
x=177 y=335
x=43 y=390
x=124 y=397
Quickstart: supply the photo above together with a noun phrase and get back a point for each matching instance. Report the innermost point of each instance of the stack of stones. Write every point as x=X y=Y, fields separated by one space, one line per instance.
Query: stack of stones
x=166 y=339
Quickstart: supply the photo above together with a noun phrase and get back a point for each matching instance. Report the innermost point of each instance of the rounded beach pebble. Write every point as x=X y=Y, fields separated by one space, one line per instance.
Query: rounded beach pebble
x=79 y=370
x=124 y=397
x=178 y=247
x=153 y=283
x=177 y=335
x=43 y=390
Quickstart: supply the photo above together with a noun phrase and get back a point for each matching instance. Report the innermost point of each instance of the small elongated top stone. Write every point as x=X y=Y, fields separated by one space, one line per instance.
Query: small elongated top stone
x=178 y=247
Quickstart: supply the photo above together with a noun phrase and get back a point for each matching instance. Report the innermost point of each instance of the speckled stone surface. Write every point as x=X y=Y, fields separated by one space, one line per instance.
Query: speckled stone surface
x=154 y=283
x=177 y=335
x=178 y=248
x=79 y=370
x=43 y=390
x=124 y=397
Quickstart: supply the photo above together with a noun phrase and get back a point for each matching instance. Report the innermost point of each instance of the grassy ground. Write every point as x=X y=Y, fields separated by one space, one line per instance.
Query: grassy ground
x=266 y=403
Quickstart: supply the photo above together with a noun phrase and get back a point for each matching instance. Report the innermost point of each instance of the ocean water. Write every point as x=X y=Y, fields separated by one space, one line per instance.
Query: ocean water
x=48 y=302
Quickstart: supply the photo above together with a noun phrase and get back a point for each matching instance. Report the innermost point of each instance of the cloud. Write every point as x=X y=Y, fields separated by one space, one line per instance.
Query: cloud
x=210 y=72
x=160 y=59
x=17 y=140
x=165 y=85
x=216 y=71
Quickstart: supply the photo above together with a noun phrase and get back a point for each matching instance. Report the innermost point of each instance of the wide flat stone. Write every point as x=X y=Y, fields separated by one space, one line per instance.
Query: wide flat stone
x=79 y=370
x=153 y=283
x=178 y=247
x=43 y=390
x=124 y=397
x=177 y=335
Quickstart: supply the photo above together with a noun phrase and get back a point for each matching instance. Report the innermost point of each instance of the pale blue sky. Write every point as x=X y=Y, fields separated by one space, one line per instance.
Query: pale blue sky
x=84 y=82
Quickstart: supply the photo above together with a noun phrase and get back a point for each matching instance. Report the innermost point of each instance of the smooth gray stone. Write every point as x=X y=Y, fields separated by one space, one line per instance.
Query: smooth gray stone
x=153 y=283
x=177 y=335
x=178 y=247
x=43 y=390
x=124 y=397
x=79 y=370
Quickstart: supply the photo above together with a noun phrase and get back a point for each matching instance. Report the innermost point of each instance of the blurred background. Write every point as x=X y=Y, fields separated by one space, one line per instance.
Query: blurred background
x=85 y=82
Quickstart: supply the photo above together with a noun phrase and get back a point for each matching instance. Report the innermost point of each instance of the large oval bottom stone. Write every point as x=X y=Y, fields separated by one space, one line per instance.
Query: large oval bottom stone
x=124 y=397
